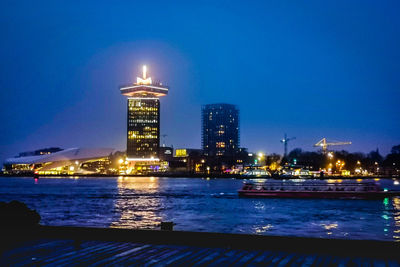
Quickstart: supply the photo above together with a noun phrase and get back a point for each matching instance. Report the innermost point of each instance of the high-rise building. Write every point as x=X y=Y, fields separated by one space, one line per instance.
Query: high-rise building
x=220 y=129
x=143 y=124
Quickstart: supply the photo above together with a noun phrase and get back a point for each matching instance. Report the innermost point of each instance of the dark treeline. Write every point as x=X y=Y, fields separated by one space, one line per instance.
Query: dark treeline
x=372 y=162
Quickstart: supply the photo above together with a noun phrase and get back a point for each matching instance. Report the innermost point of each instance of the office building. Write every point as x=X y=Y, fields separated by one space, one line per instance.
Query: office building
x=143 y=118
x=220 y=129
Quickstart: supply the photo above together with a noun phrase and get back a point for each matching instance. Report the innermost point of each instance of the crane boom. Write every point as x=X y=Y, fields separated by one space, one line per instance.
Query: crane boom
x=324 y=144
x=338 y=143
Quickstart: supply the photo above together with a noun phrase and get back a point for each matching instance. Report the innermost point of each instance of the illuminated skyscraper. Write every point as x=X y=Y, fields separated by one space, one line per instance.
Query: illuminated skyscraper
x=143 y=128
x=220 y=129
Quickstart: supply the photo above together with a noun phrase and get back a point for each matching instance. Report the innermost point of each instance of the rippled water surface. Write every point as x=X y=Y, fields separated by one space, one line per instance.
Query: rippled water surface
x=195 y=204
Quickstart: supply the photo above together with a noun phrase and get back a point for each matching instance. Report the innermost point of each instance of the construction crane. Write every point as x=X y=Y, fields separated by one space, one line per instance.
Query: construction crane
x=163 y=136
x=324 y=144
x=285 y=140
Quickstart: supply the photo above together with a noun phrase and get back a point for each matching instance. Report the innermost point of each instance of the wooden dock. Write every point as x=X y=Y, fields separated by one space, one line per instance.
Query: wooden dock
x=66 y=246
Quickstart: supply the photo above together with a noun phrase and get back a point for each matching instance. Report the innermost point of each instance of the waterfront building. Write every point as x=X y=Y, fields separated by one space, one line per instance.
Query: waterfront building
x=66 y=161
x=143 y=118
x=166 y=153
x=220 y=129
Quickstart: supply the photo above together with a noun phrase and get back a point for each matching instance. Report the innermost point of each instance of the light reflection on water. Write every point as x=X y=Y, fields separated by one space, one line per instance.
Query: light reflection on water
x=136 y=204
x=195 y=204
x=396 y=217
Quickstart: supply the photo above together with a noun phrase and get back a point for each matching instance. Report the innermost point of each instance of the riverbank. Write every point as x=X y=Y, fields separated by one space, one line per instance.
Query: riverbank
x=201 y=175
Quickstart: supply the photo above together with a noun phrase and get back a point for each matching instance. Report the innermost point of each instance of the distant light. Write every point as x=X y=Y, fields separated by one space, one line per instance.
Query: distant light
x=385 y=190
x=120 y=161
x=260 y=155
x=76 y=162
x=71 y=168
x=144 y=71
x=396 y=183
x=386 y=201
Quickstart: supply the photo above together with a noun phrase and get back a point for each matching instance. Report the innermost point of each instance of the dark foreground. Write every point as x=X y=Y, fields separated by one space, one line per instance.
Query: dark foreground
x=49 y=245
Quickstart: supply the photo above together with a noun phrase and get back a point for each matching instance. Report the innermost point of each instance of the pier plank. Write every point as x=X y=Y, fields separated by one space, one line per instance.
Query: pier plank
x=260 y=258
x=193 y=257
x=34 y=256
x=143 y=257
x=128 y=254
x=72 y=253
x=285 y=261
x=104 y=259
x=161 y=260
x=66 y=252
x=26 y=249
x=91 y=258
x=247 y=259
x=171 y=261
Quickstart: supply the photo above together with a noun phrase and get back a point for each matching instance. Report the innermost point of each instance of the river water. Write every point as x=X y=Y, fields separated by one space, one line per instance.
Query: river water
x=195 y=204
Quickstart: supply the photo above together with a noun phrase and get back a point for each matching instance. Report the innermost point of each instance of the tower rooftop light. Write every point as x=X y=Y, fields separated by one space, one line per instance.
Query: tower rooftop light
x=144 y=87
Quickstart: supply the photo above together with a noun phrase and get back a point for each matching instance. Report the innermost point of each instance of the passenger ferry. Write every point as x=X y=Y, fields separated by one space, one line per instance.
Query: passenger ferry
x=289 y=189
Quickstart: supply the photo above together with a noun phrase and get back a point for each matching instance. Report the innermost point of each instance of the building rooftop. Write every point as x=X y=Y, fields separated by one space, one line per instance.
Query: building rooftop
x=144 y=87
x=67 y=154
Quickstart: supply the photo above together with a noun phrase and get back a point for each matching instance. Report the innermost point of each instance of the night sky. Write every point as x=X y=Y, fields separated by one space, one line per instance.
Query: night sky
x=311 y=69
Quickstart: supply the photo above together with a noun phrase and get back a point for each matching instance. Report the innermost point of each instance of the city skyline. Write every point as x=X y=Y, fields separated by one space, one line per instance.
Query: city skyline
x=300 y=70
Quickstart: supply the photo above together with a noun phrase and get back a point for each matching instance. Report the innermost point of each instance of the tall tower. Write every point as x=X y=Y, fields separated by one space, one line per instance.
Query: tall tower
x=220 y=129
x=143 y=124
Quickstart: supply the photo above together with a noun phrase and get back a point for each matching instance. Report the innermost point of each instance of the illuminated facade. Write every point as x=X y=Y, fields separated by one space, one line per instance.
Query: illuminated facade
x=143 y=120
x=65 y=161
x=220 y=129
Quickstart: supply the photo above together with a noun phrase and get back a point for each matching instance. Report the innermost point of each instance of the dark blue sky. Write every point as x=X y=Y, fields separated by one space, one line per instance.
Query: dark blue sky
x=312 y=69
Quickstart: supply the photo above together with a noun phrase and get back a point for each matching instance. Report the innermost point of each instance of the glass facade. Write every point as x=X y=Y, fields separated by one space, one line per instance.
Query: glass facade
x=220 y=129
x=143 y=128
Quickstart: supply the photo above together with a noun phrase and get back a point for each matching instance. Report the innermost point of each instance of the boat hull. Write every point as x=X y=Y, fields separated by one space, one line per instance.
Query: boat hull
x=317 y=194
